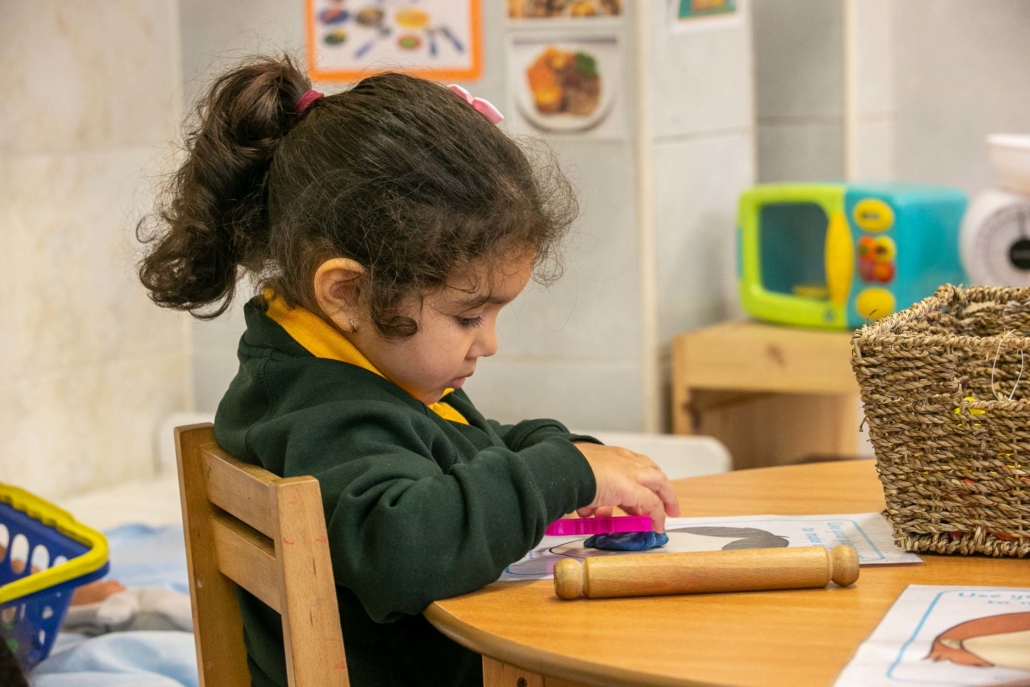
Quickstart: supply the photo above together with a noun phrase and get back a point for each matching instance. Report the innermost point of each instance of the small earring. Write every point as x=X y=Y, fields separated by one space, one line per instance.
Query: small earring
x=353 y=327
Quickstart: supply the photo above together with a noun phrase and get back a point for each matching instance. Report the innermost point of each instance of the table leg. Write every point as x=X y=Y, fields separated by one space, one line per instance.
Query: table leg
x=497 y=674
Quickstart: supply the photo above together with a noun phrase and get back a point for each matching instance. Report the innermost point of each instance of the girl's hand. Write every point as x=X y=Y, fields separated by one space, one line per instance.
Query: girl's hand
x=630 y=481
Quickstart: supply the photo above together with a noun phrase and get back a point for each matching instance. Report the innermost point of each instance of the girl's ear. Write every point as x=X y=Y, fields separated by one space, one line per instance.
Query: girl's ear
x=338 y=290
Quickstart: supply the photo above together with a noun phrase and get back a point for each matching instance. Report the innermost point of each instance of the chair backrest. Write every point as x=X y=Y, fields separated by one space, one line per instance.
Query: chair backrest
x=245 y=526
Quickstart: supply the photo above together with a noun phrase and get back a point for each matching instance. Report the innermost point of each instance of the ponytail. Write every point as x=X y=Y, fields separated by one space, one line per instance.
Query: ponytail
x=214 y=217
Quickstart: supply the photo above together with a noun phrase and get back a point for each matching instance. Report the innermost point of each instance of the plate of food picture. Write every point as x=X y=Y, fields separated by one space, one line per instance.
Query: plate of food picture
x=566 y=87
x=561 y=9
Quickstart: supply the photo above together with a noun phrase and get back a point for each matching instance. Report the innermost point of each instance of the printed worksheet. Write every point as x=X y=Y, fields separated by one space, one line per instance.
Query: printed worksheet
x=948 y=636
x=868 y=533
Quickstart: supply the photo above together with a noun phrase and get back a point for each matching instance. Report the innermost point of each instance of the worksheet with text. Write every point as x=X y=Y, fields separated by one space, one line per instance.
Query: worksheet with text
x=947 y=637
x=868 y=533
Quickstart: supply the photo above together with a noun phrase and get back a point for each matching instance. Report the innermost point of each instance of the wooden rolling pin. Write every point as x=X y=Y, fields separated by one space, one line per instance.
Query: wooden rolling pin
x=742 y=570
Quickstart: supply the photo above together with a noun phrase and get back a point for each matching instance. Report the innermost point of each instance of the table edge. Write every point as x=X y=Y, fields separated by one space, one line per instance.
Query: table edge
x=544 y=662
x=556 y=665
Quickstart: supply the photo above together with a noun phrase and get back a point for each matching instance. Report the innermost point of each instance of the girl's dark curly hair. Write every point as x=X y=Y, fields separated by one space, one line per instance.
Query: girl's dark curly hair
x=397 y=173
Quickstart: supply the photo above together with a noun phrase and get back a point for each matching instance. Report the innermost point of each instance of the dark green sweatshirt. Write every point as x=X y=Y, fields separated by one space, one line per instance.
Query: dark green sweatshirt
x=417 y=508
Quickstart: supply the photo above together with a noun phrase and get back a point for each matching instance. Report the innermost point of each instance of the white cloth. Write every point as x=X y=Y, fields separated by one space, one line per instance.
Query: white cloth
x=139 y=608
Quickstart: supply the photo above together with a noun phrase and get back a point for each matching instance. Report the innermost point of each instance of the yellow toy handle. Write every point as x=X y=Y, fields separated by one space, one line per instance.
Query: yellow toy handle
x=840 y=259
x=66 y=524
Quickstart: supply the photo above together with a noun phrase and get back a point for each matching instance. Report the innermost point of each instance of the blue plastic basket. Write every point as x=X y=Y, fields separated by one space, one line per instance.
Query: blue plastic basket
x=44 y=555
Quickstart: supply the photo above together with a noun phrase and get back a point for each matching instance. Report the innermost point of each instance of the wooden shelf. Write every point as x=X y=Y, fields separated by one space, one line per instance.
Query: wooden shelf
x=774 y=395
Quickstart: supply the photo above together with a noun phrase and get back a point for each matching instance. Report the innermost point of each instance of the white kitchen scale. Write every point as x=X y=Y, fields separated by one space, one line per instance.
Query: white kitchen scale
x=995 y=237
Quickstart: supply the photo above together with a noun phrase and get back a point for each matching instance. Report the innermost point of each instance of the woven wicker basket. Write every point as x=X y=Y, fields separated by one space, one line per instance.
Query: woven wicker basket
x=946 y=389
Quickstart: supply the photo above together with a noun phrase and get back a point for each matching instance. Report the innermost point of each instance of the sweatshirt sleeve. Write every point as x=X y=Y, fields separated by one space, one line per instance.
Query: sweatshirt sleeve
x=408 y=523
x=530 y=432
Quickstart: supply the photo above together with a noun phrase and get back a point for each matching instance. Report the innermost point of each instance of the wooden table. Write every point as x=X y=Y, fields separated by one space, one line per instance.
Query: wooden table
x=773 y=394
x=790 y=638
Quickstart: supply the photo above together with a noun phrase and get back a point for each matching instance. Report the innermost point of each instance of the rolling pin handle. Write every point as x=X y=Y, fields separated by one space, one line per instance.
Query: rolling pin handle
x=568 y=579
x=843 y=565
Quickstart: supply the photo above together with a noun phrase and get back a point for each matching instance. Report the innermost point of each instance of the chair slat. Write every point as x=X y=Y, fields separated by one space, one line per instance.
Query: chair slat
x=239 y=488
x=311 y=618
x=218 y=628
x=247 y=558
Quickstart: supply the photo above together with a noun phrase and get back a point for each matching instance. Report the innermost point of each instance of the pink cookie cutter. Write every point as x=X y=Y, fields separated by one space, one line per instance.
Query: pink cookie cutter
x=618 y=523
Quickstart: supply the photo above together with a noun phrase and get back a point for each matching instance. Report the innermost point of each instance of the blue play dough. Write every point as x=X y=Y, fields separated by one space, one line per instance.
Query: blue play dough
x=627 y=541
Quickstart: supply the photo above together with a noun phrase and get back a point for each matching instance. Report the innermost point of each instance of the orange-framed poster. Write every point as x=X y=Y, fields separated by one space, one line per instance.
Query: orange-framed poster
x=436 y=39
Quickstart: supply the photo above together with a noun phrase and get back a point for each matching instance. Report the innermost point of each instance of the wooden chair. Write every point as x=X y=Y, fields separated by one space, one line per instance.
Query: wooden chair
x=245 y=526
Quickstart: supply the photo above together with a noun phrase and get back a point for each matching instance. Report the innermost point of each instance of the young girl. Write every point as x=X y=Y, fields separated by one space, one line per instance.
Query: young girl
x=388 y=225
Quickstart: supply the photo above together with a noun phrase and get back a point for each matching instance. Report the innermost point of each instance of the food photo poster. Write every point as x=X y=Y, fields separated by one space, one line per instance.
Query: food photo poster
x=566 y=85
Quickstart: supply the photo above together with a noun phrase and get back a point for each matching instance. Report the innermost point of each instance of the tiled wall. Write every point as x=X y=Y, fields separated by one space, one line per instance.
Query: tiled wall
x=577 y=340
x=871 y=117
x=214 y=36
x=87 y=364
x=703 y=124
x=572 y=351
x=961 y=75
x=824 y=82
x=799 y=86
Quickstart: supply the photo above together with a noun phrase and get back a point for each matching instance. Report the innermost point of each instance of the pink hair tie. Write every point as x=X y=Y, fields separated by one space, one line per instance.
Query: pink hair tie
x=305 y=101
x=484 y=107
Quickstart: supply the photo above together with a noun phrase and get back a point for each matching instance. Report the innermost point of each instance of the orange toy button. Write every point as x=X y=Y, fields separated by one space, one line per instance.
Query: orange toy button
x=876 y=259
x=872 y=304
x=883 y=272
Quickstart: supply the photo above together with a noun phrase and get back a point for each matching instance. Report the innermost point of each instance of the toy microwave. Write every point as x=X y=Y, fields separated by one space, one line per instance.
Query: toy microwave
x=837 y=256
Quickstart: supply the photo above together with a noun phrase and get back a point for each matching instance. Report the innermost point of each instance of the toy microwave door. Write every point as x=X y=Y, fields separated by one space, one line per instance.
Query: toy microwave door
x=907 y=241
x=795 y=254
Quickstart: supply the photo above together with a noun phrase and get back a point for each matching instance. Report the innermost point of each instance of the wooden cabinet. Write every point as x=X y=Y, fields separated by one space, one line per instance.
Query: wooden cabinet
x=774 y=395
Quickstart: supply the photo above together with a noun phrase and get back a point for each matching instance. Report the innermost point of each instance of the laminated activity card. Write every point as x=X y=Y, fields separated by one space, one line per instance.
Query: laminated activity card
x=947 y=636
x=868 y=533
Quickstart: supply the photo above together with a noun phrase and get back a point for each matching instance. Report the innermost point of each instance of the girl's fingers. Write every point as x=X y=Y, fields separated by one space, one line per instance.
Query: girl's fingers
x=595 y=512
x=669 y=499
x=660 y=485
x=649 y=503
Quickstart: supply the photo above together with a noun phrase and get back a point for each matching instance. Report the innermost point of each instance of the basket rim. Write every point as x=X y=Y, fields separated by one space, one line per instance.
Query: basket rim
x=891 y=329
x=61 y=520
